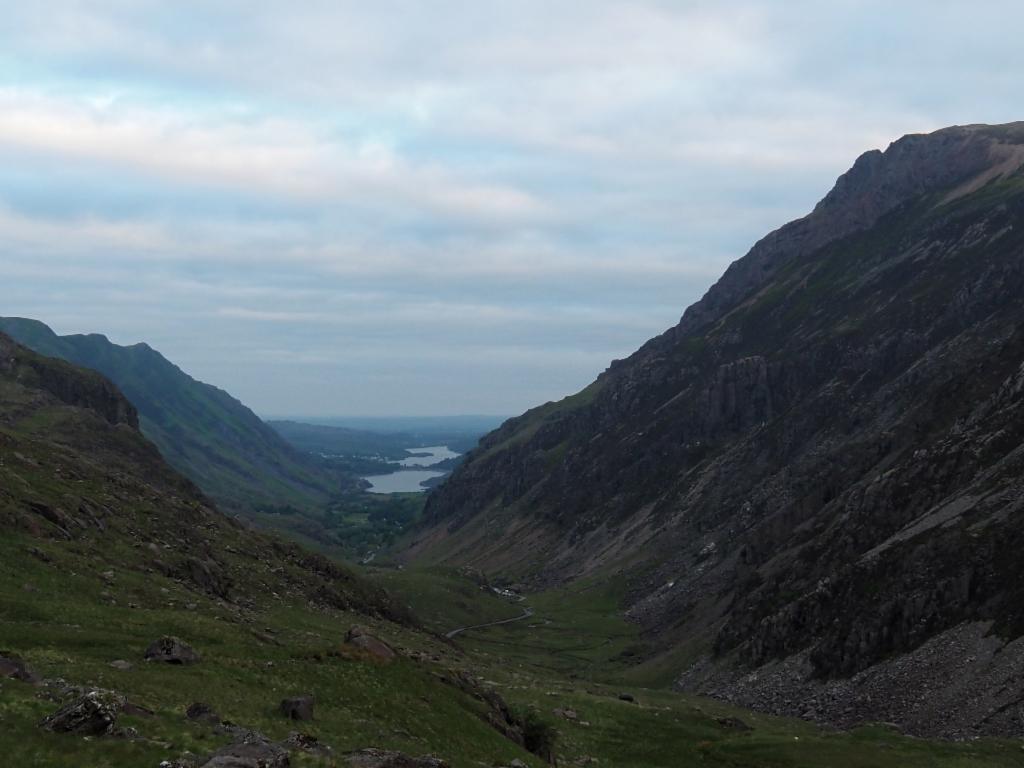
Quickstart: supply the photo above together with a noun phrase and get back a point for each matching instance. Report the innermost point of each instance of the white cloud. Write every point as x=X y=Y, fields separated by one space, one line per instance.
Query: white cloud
x=414 y=192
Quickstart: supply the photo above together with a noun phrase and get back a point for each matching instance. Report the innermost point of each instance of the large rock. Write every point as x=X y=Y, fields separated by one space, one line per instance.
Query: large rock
x=171 y=650
x=298 y=707
x=378 y=758
x=93 y=714
x=361 y=638
x=16 y=669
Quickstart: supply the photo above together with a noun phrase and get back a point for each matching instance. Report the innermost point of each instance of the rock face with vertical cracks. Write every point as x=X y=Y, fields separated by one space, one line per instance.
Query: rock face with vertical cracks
x=819 y=470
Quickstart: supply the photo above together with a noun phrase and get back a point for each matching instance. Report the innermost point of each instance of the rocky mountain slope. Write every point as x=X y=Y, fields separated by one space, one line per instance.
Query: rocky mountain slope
x=202 y=431
x=812 y=485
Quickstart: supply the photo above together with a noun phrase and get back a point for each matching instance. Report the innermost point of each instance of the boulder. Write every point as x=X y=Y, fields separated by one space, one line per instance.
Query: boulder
x=567 y=714
x=378 y=758
x=16 y=669
x=361 y=638
x=171 y=650
x=627 y=697
x=121 y=665
x=298 y=707
x=93 y=714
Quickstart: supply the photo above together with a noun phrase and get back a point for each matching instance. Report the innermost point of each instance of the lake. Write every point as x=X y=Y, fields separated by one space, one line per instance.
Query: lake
x=408 y=479
x=404 y=481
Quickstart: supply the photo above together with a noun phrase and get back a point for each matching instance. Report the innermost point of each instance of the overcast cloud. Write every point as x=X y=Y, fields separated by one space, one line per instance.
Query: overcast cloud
x=351 y=208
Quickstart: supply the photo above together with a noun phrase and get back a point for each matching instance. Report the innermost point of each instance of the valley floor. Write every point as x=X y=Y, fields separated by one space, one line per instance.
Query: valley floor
x=69 y=624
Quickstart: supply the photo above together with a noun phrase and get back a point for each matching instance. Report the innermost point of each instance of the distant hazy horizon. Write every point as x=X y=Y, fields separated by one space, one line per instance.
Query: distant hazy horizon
x=431 y=208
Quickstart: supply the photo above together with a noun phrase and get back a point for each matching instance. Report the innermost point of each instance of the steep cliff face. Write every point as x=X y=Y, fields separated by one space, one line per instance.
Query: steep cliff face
x=822 y=461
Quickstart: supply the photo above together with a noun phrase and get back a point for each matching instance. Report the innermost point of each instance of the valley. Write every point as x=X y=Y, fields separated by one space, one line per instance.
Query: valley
x=783 y=533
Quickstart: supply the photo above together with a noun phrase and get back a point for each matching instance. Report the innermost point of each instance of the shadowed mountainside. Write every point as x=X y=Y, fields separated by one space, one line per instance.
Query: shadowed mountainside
x=817 y=472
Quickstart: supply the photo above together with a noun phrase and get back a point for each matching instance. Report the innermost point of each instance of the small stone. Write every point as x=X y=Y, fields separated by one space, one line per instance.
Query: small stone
x=121 y=665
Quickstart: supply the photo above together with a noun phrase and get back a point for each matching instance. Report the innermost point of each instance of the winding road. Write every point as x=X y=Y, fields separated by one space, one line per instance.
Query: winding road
x=527 y=613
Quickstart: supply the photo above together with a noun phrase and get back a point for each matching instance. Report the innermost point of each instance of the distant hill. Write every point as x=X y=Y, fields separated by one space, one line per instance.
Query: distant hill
x=387 y=438
x=207 y=435
x=342 y=441
x=362 y=433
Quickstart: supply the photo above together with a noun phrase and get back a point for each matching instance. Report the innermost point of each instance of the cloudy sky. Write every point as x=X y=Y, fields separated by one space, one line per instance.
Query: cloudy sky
x=353 y=208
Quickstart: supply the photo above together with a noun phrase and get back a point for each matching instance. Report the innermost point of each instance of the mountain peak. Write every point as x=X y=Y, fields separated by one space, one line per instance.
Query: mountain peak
x=955 y=160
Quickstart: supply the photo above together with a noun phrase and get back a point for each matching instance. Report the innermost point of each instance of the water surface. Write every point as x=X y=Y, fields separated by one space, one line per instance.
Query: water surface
x=405 y=481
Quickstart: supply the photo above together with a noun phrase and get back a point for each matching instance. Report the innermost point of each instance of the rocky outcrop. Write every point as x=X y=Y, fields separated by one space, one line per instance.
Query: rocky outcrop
x=822 y=461
x=93 y=714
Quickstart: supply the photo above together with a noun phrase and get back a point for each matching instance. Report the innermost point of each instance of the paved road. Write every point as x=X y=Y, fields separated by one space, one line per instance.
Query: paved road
x=527 y=613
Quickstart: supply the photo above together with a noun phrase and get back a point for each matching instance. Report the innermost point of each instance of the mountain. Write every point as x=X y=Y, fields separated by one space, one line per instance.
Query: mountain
x=202 y=431
x=810 y=489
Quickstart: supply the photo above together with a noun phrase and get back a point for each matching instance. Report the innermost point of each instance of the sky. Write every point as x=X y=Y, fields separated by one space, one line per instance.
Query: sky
x=339 y=208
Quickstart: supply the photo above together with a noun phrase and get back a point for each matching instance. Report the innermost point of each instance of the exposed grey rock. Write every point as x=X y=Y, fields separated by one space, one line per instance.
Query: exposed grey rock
x=93 y=714
x=171 y=650
x=121 y=665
